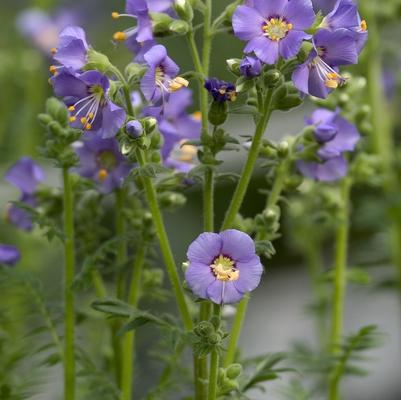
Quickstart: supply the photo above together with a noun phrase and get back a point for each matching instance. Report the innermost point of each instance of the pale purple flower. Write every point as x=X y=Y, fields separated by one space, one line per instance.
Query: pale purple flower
x=223 y=266
x=101 y=161
x=319 y=74
x=25 y=175
x=336 y=136
x=86 y=96
x=160 y=78
x=250 y=67
x=273 y=28
x=72 y=48
x=9 y=255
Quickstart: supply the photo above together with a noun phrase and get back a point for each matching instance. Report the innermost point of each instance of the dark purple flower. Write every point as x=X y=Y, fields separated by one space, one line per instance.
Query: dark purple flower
x=250 y=67
x=345 y=15
x=223 y=266
x=42 y=29
x=9 y=255
x=177 y=126
x=336 y=136
x=25 y=175
x=72 y=48
x=101 y=161
x=161 y=77
x=273 y=28
x=134 y=129
x=86 y=96
x=221 y=91
x=319 y=74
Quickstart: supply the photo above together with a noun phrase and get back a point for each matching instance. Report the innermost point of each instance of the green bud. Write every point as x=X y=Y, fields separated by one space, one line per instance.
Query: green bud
x=222 y=374
x=292 y=182
x=218 y=113
x=98 y=61
x=55 y=108
x=45 y=119
x=233 y=66
x=272 y=78
x=343 y=99
x=155 y=157
x=283 y=149
x=172 y=199
x=184 y=10
x=309 y=133
x=204 y=328
x=229 y=385
x=303 y=54
x=156 y=140
x=214 y=338
x=179 y=27
x=233 y=371
x=56 y=129
x=134 y=72
x=161 y=23
x=149 y=124
x=271 y=215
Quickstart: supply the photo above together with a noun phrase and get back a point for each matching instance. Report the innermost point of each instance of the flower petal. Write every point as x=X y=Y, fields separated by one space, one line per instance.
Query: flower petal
x=250 y=274
x=223 y=293
x=299 y=13
x=199 y=277
x=113 y=118
x=247 y=23
x=265 y=49
x=237 y=245
x=291 y=44
x=270 y=8
x=205 y=248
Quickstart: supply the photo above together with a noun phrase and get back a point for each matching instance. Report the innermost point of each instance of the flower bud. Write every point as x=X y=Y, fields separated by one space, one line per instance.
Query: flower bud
x=57 y=110
x=98 y=61
x=204 y=328
x=179 y=27
x=184 y=10
x=161 y=23
x=272 y=78
x=149 y=124
x=134 y=72
x=233 y=371
x=214 y=338
x=172 y=199
x=233 y=66
x=134 y=129
x=283 y=149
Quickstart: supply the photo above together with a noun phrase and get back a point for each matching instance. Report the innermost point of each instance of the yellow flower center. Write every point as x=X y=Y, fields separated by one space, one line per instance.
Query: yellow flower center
x=224 y=269
x=364 y=25
x=276 y=29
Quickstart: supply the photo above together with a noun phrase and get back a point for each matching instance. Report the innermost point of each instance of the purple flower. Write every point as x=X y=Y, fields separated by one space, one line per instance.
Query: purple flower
x=139 y=48
x=72 y=49
x=335 y=136
x=25 y=175
x=42 y=29
x=101 y=161
x=177 y=126
x=250 y=67
x=9 y=255
x=223 y=266
x=161 y=77
x=319 y=74
x=273 y=28
x=86 y=96
x=221 y=91
x=345 y=16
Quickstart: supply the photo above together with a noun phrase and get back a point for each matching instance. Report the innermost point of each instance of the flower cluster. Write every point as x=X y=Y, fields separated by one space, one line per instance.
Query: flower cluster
x=279 y=27
x=335 y=136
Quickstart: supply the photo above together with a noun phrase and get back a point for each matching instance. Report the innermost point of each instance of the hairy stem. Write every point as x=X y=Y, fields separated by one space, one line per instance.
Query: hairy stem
x=214 y=362
x=129 y=338
x=340 y=280
x=69 y=271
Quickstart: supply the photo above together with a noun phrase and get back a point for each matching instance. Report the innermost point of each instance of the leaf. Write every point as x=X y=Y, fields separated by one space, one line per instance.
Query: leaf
x=142 y=318
x=243 y=109
x=114 y=307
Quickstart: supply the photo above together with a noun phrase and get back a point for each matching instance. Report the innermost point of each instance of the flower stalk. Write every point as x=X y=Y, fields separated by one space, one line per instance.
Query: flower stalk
x=69 y=301
x=214 y=360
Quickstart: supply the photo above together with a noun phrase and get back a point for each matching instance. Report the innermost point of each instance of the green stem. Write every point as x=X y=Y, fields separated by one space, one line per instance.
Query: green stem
x=247 y=171
x=340 y=281
x=69 y=271
x=129 y=338
x=122 y=243
x=207 y=37
x=208 y=201
x=214 y=362
x=165 y=245
x=272 y=200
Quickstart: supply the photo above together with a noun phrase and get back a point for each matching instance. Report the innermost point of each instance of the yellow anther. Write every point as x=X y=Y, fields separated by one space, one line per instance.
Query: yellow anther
x=188 y=152
x=102 y=175
x=120 y=36
x=53 y=50
x=224 y=269
x=289 y=26
x=197 y=115
x=71 y=108
x=332 y=75
x=364 y=25
x=331 y=83
x=83 y=120
x=90 y=115
x=73 y=118
x=177 y=84
x=115 y=15
x=88 y=127
x=53 y=69
x=233 y=96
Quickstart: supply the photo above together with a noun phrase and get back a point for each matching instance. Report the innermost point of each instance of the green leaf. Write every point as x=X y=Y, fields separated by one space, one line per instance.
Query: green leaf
x=114 y=307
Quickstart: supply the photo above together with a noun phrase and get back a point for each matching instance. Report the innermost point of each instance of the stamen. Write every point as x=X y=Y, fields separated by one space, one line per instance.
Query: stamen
x=364 y=25
x=224 y=269
x=115 y=15
x=88 y=126
x=73 y=118
x=276 y=29
x=177 y=84
x=197 y=115
x=71 y=108
x=53 y=69
x=83 y=120
x=120 y=36
x=53 y=50
x=102 y=175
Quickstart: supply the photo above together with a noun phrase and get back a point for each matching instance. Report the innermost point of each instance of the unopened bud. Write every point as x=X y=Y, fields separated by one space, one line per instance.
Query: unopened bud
x=233 y=371
x=233 y=65
x=179 y=27
x=134 y=129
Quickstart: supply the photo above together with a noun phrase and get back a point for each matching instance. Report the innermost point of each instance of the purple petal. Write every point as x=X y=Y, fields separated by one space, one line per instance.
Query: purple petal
x=67 y=85
x=148 y=85
x=136 y=7
x=155 y=56
x=205 y=248
x=113 y=118
x=300 y=77
x=247 y=23
x=237 y=245
x=199 y=277
x=265 y=49
x=72 y=55
x=270 y=8
x=344 y=15
x=291 y=44
x=299 y=13
x=332 y=170
x=250 y=274
x=316 y=85
x=9 y=255
x=223 y=293
x=145 y=31
x=347 y=136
